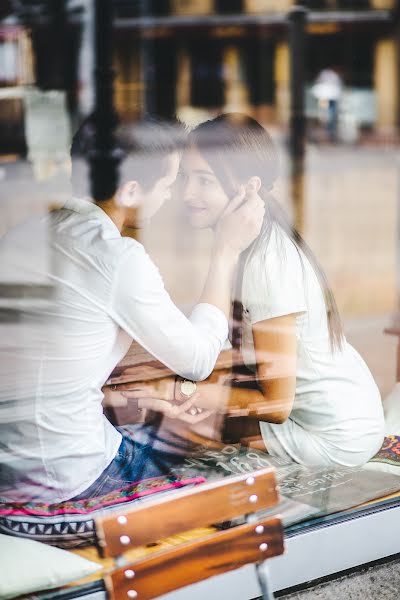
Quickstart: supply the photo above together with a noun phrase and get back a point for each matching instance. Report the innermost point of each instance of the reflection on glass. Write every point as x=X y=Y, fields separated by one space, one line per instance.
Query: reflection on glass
x=182 y=328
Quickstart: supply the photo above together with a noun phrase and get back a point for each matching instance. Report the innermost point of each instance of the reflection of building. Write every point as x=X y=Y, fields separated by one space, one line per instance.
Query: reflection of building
x=194 y=57
x=217 y=54
x=39 y=46
x=16 y=70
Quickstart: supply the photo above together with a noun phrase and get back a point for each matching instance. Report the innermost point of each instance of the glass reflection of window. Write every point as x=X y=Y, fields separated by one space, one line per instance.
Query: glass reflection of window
x=350 y=200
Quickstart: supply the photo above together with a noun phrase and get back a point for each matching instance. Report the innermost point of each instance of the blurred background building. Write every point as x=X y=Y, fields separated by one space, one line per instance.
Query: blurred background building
x=203 y=56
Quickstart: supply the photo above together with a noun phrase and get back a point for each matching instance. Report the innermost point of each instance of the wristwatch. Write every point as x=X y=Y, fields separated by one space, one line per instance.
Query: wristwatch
x=187 y=388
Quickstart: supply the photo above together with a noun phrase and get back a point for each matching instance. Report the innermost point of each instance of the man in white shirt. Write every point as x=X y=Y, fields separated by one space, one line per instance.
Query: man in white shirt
x=56 y=444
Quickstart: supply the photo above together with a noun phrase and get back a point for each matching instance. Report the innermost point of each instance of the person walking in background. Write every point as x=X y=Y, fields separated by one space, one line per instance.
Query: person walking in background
x=327 y=89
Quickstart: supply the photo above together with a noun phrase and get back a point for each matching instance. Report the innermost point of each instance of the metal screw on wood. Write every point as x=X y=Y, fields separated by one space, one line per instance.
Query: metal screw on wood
x=125 y=540
x=129 y=574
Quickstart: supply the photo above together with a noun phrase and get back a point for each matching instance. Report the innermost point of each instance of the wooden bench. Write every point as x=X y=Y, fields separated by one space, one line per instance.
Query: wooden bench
x=217 y=550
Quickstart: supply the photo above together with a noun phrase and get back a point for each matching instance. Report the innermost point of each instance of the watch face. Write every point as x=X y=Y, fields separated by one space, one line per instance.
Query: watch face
x=188 y=388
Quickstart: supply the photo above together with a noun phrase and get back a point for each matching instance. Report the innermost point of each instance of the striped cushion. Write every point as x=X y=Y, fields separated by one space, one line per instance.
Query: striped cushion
x=70 y=524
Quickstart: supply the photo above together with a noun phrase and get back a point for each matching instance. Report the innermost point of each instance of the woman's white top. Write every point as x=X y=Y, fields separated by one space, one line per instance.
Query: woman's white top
x=336 y=399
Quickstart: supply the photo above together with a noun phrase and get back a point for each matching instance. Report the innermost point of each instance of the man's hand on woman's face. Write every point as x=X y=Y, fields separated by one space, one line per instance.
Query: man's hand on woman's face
x=241 y=222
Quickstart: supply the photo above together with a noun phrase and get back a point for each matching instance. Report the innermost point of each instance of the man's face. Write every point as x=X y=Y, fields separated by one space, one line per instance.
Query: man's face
x=150 y=201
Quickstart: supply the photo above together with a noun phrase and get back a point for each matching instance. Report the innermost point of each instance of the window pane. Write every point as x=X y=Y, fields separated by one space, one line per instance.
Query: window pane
x=200 y=250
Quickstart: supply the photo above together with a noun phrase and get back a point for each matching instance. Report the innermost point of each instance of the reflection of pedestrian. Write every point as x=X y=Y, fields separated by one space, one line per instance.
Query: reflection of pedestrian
x=328 y=90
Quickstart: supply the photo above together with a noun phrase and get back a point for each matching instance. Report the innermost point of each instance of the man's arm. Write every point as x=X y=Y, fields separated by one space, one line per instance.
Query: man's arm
x=142 y=307
x=267 y=395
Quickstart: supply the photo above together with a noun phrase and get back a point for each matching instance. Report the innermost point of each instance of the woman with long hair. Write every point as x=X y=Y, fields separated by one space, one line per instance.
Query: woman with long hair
x=315 y=398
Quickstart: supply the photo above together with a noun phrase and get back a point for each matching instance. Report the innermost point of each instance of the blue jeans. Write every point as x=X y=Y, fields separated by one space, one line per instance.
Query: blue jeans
x=133 y=462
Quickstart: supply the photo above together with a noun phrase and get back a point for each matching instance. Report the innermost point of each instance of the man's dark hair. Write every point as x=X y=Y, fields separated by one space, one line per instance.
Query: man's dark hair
x=143 y=146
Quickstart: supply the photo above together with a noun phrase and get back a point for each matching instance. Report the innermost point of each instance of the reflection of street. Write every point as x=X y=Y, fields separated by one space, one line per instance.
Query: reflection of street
x=351 y=210
x=23 y=196
x=377 y=349
x=351 y=214
x=350 y=222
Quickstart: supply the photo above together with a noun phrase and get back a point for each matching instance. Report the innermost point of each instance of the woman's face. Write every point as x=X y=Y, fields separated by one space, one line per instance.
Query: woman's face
x=203 y=196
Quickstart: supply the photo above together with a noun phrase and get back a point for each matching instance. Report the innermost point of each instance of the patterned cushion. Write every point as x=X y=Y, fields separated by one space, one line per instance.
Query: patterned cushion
x=387 y=459
x=70 y=524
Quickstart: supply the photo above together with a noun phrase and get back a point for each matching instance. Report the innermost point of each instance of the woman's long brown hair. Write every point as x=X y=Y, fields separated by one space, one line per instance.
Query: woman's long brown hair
x=237 y=147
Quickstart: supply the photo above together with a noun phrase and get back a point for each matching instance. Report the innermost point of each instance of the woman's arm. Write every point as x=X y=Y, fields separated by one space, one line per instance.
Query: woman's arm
x=267 y=394
x=275 y=348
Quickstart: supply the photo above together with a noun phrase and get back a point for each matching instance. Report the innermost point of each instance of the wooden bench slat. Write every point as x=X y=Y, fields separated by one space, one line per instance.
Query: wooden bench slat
x=203 y=505
x=197 y=560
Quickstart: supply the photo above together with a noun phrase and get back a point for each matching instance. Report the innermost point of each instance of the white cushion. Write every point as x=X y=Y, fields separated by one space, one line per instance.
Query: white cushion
x=391 y=407
x=27 y=566
x=382 y=467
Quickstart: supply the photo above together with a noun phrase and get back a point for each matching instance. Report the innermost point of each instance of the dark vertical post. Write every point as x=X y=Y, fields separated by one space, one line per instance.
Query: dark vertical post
x=297 y=43
x=56 y=41
x=103 y=157
x=147 y=64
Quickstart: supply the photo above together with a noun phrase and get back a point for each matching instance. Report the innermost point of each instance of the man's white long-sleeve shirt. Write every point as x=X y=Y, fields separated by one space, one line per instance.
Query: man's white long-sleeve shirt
x=55 y=440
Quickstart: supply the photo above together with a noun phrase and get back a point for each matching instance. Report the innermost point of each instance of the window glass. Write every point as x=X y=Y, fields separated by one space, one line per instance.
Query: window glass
x=199 y=249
